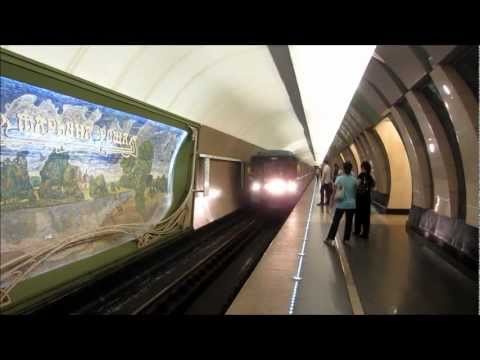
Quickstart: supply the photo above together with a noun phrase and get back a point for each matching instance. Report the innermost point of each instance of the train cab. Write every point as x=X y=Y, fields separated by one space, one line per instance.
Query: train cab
x=272 y=179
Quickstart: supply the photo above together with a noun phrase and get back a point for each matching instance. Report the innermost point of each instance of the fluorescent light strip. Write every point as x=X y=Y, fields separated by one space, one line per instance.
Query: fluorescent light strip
x=328 y=76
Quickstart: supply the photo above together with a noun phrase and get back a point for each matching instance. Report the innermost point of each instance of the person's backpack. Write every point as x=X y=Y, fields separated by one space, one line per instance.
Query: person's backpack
x=363 y=188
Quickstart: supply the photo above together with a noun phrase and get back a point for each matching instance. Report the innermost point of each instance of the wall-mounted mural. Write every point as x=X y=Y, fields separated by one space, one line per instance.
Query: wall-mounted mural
x=72 y=170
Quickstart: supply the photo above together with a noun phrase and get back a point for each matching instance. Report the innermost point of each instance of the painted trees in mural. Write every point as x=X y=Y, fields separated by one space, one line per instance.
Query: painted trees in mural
x=160 y=184
x=71 y=179
x=59 y=179
x=136 y=173
x=70 y=167
x=98 y=187
x=15 y=181
x=141 y=171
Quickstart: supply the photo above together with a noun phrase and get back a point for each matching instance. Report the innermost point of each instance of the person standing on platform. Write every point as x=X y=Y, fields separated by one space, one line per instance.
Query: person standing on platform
x=365 y=184
x=317 y=173
x=345 y=195
x=319 y=179
x=335 y=172
x=326 y=180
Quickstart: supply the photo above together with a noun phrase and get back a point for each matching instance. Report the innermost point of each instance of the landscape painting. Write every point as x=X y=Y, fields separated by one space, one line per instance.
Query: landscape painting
x=71 y=167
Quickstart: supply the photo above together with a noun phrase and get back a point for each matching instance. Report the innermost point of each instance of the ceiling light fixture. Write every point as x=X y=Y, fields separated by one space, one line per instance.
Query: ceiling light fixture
x=328 y=76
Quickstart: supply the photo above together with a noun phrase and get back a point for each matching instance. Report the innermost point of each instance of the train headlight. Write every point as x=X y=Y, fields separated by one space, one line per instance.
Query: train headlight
x=292 y=186
x=276 y=187
x=256 y=186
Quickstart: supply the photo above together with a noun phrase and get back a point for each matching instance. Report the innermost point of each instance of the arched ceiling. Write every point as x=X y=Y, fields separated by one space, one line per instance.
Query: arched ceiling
x=328 y=76
x=233 y=89
x=391 y=72
x=248 y=91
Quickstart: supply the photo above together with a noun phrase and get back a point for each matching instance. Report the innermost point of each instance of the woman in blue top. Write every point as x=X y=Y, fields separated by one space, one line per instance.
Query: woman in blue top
x=346 y=204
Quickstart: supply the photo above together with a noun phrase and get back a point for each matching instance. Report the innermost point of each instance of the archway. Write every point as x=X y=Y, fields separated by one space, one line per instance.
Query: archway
x=401 y=178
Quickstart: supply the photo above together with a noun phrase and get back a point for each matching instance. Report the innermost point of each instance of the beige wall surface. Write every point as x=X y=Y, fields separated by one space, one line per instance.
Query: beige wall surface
x=416 y=151
x=354 y=150
x=401 y=178
x=225 y=195
x=214 y=142
x=379 y=159
x=360 y=151
x=348 y=156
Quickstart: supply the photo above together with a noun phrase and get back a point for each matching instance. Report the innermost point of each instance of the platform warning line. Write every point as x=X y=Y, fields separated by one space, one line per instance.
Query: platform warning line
x=349 y=281
x=297 y=278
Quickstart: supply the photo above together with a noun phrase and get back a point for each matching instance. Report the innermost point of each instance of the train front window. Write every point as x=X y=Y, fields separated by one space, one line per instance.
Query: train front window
x=281 y=169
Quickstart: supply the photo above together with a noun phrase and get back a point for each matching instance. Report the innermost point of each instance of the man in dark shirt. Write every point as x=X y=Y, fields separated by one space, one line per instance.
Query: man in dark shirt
x=335 y=172
x=364 y=187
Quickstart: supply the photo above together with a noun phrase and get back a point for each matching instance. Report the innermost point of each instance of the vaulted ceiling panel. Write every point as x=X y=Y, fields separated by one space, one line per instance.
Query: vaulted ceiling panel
x=384 y=82
x=148 y=69
x=403 y=61
x=103 y=65
x=437 y=53
x=359 y=118
x=371 y=96
x=354 y=124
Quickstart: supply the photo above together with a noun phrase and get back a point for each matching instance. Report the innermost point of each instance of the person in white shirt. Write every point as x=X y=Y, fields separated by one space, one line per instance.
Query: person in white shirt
x=317 y=173
x=326 y=181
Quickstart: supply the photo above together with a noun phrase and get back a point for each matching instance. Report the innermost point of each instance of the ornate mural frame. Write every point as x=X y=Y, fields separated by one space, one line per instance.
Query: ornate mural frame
x=29 y=293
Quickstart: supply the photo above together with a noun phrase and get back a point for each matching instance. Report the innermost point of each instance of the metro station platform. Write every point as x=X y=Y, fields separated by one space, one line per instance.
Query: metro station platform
x=393 y=272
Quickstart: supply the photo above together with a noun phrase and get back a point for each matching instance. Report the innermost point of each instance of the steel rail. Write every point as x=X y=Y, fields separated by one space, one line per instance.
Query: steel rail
x=220 y=248
x=101 y=292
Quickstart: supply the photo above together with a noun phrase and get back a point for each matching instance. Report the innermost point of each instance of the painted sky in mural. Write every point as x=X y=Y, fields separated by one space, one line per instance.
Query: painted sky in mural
x=69 y=165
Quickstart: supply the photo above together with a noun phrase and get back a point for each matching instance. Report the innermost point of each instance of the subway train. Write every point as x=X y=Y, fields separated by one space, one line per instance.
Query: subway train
x=273 y=179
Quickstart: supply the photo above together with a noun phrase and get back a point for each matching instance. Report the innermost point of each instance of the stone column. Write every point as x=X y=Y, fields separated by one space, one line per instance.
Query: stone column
x=445 y=183
x=462 y=107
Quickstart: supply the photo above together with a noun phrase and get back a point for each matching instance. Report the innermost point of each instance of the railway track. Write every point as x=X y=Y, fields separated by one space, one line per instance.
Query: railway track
x=191 y=275
x=169 y=280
